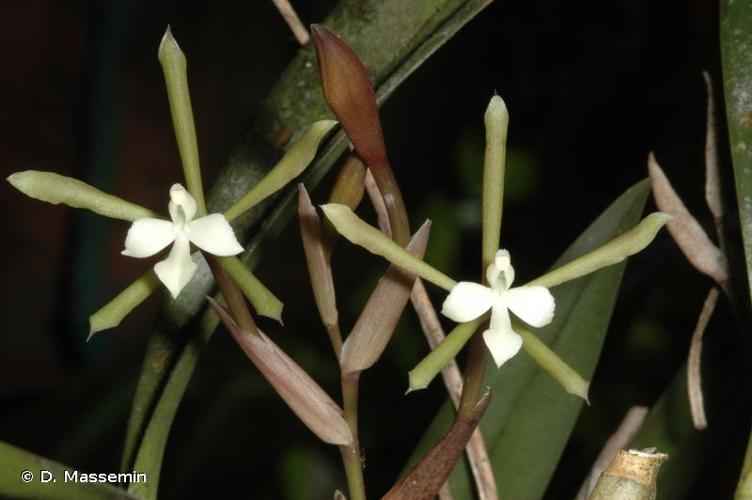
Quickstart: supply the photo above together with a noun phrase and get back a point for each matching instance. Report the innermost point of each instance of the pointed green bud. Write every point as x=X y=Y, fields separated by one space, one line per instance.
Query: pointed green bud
x=359 y=232
x=54 y=188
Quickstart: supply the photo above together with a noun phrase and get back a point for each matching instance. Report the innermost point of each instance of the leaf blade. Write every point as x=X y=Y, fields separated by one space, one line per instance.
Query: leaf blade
x=736 y=59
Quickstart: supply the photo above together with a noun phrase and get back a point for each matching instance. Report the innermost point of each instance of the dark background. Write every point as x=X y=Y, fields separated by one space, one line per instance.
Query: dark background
x=592 y=87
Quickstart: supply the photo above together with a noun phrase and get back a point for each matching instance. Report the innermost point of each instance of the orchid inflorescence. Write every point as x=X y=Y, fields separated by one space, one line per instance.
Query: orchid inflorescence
x=494 y=300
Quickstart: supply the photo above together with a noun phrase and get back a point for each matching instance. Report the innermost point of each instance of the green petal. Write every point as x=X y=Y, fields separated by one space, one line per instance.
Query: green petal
x=609 y=254
x=297 y=158
x=497 y=123
x=174 y=67
x=263 y=301
x=112 y=313
x=359 y=232
x=55 y=188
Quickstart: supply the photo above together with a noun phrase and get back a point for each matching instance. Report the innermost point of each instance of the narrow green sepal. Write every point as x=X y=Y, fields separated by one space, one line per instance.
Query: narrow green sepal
x=112 y=313
x=360 y=233
x=262 y=300
x=497 y=123
x=425 y=371
x=551 y=363
x=292 y=164
x=55 y=188
x=175 y=69
x=611 y=253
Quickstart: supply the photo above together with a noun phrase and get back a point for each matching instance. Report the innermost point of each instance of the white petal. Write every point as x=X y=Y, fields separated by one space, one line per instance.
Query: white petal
x=178 y=268
x=532 y=304
x=147 y=237
x=502 y=341
x=181 y=201
x=467 y=301
x=214 y=234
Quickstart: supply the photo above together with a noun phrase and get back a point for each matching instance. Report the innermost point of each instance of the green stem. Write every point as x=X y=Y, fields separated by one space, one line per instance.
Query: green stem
x=351 y=454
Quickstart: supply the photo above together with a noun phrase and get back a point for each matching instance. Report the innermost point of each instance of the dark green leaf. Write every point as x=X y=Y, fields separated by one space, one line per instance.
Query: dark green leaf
x=736 y=52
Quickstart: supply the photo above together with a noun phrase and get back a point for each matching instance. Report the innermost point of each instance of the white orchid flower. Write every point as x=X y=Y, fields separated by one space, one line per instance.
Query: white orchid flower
x=211 y=233
x=532 y=304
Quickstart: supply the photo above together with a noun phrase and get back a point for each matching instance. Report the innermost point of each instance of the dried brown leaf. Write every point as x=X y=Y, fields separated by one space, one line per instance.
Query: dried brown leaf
x=694 y=359
x=686 y=231
x=712 y=169
x=319 y=267
x=302 y=394
x=293 y=21
x=383 y=310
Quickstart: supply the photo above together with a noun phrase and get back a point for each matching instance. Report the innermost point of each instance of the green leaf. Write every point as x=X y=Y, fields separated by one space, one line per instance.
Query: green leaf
x=395 y=42
x=527 y=425
x=736 y=55
x=15 y=461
